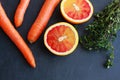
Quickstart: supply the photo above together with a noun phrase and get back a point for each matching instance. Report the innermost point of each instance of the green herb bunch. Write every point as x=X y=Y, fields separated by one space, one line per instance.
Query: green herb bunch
x=101 y=33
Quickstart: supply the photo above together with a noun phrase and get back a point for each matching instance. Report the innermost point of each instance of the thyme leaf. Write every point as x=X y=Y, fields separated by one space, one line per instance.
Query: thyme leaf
x=101 y=33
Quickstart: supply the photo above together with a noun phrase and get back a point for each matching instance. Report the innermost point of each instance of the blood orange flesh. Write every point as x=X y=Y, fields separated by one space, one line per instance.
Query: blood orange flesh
x=61 y=38
x=80 y=9
x=76 y=11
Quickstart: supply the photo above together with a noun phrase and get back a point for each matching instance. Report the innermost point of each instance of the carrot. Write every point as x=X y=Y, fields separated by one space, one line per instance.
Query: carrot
x=20 y=12
x=42 y=20
x=11 y=32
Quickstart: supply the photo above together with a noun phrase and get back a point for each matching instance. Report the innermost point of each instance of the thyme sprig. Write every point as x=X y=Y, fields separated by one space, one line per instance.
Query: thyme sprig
x=101 y=33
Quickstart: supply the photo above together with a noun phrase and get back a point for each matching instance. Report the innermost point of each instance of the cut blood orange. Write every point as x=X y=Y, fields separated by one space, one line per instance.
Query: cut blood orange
x=76 y=11
x=61 y=38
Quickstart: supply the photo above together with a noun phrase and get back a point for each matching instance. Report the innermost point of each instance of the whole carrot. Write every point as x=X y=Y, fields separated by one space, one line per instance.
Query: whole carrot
x=11 y=32
x=20 y=12
x=42 y=19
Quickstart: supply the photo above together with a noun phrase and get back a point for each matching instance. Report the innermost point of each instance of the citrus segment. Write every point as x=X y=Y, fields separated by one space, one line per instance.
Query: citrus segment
x=76 y=11
x=61 y=38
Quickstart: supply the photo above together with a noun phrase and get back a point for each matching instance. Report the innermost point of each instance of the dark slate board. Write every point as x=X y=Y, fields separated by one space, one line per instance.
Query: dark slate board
x=80 y=65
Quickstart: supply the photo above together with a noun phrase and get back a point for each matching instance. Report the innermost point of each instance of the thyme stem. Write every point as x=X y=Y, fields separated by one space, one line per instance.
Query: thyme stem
x=103 y=30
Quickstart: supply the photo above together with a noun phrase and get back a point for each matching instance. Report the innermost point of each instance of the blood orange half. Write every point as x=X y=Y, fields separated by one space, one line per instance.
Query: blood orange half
x=76 y=11
x=61 y=38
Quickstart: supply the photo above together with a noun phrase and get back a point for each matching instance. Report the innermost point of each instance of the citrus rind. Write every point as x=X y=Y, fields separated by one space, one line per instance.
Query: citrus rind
x=61 y=53
x=71 y=20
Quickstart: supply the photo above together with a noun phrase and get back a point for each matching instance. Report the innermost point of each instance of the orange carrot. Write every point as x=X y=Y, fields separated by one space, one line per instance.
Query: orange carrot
x=20 y=12
x=11 y=32
x=42 y=20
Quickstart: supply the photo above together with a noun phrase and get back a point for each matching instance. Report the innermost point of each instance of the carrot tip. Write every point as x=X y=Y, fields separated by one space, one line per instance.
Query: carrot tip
x=31 y=42
x=33 y=64
x=17 y=26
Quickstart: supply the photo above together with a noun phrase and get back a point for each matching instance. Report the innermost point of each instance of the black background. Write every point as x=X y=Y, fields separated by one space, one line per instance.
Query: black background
x=80 y=65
